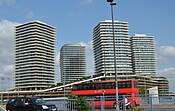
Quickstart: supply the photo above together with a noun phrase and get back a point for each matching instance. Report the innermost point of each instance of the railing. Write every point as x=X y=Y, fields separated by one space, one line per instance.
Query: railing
x=148 y=103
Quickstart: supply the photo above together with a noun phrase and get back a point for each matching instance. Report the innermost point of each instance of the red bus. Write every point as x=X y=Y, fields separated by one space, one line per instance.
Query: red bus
x=129 y=88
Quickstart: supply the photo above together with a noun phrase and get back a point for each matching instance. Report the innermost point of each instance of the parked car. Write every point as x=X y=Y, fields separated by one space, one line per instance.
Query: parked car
x=29 y=104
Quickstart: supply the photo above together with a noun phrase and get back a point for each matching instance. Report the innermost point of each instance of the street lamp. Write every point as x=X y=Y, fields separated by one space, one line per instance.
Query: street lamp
x=2 y=78
x=112 y=3
x=8 y=79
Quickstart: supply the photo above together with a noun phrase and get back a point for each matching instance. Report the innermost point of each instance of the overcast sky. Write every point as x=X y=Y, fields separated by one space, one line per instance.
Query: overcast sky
x=75 y=20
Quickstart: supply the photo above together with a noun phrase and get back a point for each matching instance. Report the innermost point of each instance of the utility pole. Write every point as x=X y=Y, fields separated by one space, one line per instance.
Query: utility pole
x=112 y=3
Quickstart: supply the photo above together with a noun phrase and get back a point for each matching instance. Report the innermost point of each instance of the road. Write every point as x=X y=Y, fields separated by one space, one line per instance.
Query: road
x=159 y=107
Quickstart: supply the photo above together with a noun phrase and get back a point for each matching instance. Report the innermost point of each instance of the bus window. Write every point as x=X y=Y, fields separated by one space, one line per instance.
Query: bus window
x=124 y=85
x=119 y=85
x=127 y=85
x=85 y=87
x=93 y=86
x=135 y=84
x=112 y=85
x=81 y=87
x=108 y=86
x=76 y=87
x=98 y=86
x=88 y=86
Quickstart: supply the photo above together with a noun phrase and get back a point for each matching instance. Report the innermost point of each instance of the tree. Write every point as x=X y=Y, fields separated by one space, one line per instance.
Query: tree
x=143 y=90
x=81 y=103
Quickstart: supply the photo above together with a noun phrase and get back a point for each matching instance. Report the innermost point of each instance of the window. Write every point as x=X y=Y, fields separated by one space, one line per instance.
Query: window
x=11 y=101
x=98 y=86
x=124 y=85
x=39 y=101
x=19 y=102
x=135 y=84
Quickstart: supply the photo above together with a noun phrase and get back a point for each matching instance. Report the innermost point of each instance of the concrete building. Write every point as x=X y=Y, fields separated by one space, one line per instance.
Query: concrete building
x=104 y=50
x=162 y=83
x=34 y=56
x=72 y=62
x=143 y=54
x=143 y=81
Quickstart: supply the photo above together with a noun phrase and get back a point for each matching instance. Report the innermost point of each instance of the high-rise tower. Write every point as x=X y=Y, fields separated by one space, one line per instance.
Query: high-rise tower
x=104 y=50
x=143 y=54
x=72 y=62
x=34 y=56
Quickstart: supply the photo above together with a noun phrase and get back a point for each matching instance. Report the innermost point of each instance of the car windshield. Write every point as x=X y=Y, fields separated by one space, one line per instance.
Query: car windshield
x=39 y=100
x=11 y=101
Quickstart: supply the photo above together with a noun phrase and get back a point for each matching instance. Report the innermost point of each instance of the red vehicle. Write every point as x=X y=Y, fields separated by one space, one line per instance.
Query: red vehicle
x=129 y=88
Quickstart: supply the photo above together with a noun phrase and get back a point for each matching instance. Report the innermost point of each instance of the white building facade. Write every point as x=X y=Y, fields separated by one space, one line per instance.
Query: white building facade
x=34 y=56
x=104 y=50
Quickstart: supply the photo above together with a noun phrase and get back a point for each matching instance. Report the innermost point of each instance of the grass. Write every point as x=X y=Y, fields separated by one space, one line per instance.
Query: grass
x=136 y=109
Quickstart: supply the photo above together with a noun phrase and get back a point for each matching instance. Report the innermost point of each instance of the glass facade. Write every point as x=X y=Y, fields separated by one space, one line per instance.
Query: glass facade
x=72 y=62
x=143 y=54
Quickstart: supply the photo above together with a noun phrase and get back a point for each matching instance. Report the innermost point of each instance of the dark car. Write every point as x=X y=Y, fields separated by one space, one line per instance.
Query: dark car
x=29 y=104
